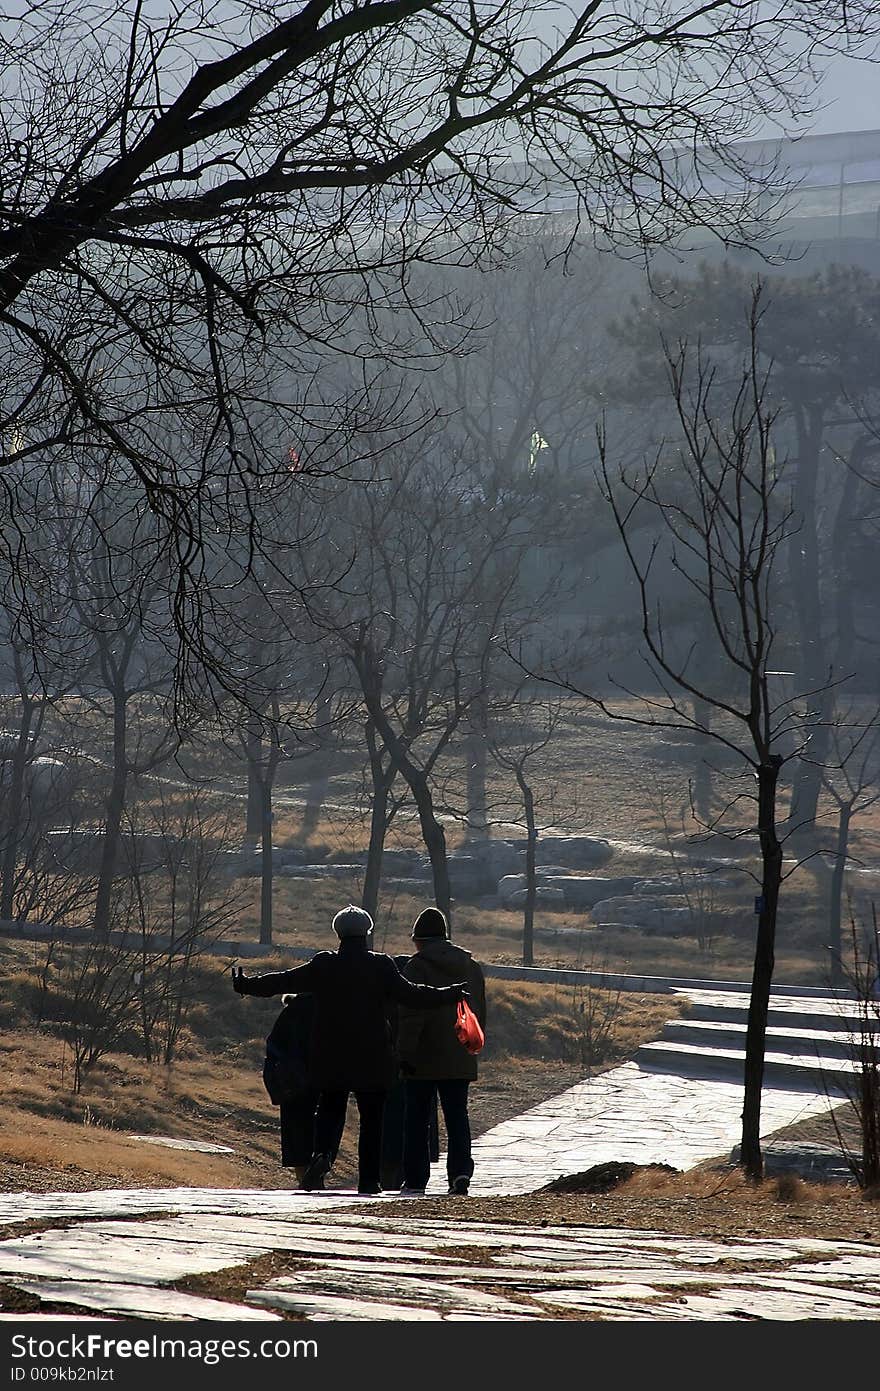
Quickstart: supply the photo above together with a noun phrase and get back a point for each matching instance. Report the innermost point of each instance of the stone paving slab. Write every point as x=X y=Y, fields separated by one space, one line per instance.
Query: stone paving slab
x=199 y=1146
x=140 y=1301
x=773 y=1303
x=613 y=1272
x=51 y=1318
x=792 y=1001
x=679 y=1055
x=366 y=1284
x=322 y=1308
x=137 y=1202
x=809 y=1040
x=88 y=1252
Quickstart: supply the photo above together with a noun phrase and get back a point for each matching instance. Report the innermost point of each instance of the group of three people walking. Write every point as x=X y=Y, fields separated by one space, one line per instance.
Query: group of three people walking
x=368 y=1024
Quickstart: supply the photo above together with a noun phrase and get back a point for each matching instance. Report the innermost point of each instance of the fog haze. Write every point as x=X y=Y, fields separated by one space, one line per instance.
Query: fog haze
x=850 y=98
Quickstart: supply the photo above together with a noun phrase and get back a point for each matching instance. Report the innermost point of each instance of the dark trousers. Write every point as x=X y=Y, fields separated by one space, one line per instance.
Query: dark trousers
x=297 y=1116
x=330 y=1123
x=420 y=1095
x=392 y=1136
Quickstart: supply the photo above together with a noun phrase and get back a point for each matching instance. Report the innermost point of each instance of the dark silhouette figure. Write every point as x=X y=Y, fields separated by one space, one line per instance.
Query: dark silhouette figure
x=433 y=1062
x=351 y=1044
x=286 y=1078
x=392 y=1127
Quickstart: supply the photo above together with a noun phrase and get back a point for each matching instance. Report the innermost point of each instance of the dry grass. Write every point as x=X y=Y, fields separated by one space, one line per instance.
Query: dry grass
x=721 y=1182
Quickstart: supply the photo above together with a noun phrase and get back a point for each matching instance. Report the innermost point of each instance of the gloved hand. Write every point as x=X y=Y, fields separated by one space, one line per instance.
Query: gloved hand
x=239 y=984
x=460 y=991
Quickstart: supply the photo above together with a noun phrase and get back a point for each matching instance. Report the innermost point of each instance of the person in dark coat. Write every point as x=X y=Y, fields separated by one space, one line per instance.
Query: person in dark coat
x=351 y=1047
x=392 y=1124
x=433 y=1062
x=286 y=1079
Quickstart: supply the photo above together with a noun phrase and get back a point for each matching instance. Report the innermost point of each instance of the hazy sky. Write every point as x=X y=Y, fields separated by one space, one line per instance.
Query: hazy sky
x=850 y=97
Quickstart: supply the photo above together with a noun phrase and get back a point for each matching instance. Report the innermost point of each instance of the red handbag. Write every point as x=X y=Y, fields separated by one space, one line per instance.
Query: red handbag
x=468 y=1030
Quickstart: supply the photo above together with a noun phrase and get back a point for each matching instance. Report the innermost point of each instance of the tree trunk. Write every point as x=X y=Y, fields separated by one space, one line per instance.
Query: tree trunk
x=751 y=1158
x=835 y=936
x=435 y=843
x=477 y=818
x=702 y=784
x=528 y=951
x=254 y=754
x=319 y=782
x=13 y=811
x=113 y=818
x=416 y=780
x=383 y=778
x=841 y=542
x=266 y=867
x=806 y=589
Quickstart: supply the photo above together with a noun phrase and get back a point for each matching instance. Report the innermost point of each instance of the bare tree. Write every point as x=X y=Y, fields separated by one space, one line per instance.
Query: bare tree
x=713 y=520
x=862 y=1089
x=820 y=333
x=519 y=401
x=850 y=779
x=434 y=578
x=41 y=656
x=696 y=885
x=180 y=903
x=194 y=198
x=95 y=1002
x=286 y=723
x=525 y=732
x=118 y=590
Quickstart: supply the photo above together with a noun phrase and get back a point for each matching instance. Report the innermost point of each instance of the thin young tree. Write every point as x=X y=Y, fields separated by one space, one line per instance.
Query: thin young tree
x=851 y=780
x=714 y=521
x=179 y=904
x=435 y=577
x=820 y=331
x=118 y=591
x=862 y=1088
x=524 y=733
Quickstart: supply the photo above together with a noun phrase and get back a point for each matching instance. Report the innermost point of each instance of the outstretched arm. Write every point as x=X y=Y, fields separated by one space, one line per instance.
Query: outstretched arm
x=298 y=981
x=406 y=992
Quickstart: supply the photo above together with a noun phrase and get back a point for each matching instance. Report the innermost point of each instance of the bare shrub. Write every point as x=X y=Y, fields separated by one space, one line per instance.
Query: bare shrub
x=789 y=1188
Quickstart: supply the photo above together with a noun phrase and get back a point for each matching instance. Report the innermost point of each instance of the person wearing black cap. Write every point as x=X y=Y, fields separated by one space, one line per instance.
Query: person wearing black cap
x=351 y=1047
x=432 y=1060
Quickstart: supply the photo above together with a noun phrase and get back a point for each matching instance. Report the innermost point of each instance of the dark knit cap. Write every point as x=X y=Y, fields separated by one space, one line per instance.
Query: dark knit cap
x=430 y=923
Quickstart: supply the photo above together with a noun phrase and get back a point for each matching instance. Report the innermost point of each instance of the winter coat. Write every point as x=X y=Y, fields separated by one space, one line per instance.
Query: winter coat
x=351 y=1046
x=286 y=1065
x=427 y=1044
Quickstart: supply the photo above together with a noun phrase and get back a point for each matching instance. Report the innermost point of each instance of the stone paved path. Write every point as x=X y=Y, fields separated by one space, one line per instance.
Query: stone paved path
x=678 y=1102
x=119 y=1252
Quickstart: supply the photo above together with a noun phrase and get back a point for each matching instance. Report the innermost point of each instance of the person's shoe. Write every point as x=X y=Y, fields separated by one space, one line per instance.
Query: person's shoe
x=411 y=1192
x=315 y=1172
x=459 y=1186
x=371 y=1189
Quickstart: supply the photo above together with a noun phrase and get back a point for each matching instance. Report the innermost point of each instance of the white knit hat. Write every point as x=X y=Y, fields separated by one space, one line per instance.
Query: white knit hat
x=352 y=922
